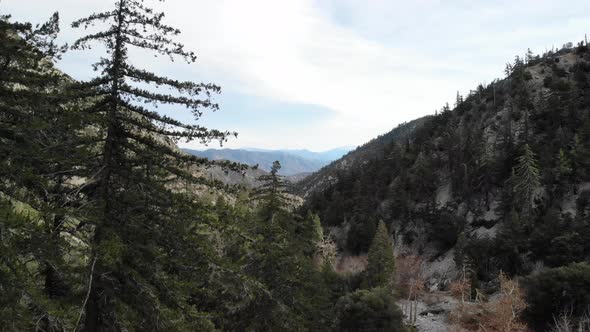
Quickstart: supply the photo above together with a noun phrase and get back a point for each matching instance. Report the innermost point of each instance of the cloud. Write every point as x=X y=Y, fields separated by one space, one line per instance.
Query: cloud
x=371 y=64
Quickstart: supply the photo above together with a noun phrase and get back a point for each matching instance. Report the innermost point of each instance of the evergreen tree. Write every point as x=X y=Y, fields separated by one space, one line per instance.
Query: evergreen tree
x=272 y=192
x=527 y=179
x=381 y=265
x=145 y=253
x=39 y=156
x=280 y=258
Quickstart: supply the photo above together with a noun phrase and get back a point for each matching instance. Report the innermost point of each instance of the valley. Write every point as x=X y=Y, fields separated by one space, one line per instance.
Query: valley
x=475 y=217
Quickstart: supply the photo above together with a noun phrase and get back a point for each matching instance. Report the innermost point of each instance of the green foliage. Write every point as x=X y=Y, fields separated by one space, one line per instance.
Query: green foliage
x=39 y=154
x=272 y=192
x=296 y=296
x=369 y=310
x=360 y=235
x=551 y=292
x=151 y=245
x=526 y=179
x=381 y=264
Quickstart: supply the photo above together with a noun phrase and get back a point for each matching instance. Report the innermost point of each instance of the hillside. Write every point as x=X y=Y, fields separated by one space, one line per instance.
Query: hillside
x=328 y=175
x=501 y=180
x=294 y=162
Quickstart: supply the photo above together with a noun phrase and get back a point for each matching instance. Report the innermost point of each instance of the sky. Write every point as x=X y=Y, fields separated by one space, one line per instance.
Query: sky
x=305 y=74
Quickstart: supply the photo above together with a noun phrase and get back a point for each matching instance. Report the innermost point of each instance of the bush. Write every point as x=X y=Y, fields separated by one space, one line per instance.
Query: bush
x=368 y=310
x=557 y=290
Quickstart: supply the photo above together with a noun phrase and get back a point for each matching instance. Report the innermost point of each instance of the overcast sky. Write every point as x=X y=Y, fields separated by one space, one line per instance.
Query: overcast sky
x=329 y=73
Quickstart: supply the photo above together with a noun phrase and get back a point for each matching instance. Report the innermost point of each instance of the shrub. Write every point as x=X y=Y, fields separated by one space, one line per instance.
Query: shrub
x=557 y=290
x=369 y=310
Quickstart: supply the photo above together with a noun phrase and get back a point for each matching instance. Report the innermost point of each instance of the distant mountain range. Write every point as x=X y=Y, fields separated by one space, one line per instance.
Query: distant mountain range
x=293 y=162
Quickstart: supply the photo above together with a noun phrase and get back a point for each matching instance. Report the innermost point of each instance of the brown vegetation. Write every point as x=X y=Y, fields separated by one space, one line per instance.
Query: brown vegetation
x=351 y=264
x=502 y=314
x=410 y=280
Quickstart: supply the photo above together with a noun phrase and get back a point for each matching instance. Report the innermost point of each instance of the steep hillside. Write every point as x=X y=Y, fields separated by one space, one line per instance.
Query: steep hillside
x=372 y=150
x=499 y=181
x=292 y=164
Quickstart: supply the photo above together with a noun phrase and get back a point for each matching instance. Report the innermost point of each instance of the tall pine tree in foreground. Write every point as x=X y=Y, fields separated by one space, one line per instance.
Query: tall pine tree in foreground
x=146 y=254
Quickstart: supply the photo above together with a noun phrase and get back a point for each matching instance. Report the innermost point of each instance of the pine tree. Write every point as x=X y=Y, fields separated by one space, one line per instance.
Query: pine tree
x=272 y=192
x=381 y=265
x=39 y=154
x=145 y=254
x=527 y=179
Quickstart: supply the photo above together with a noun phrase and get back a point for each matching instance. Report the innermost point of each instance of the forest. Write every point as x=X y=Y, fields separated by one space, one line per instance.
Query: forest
x=107 y=225
x=498 y=184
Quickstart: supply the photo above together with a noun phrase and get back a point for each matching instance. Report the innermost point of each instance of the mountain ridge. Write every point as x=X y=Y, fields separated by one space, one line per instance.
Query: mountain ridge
x=293 y=162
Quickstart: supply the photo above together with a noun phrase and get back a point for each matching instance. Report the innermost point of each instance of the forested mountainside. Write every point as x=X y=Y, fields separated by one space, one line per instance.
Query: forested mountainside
x=328 y=175
x=499 y=182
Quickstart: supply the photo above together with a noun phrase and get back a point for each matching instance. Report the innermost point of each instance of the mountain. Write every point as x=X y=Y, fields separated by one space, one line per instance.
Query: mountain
x=328 y=174
x=293 y=162
x=500 y=182
x=328 y=155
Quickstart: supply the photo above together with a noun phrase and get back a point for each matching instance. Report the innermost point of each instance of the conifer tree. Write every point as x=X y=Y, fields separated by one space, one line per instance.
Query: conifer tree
x=527 y=179
x=381 y=265
x=280 y=258
x=272 y=192
x=39 y=155
x=144 y=250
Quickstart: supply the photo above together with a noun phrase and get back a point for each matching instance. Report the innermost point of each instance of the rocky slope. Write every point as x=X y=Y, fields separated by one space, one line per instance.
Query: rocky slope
x=454 y=179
